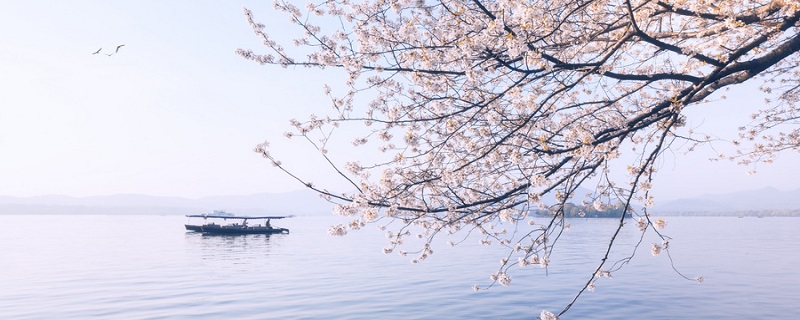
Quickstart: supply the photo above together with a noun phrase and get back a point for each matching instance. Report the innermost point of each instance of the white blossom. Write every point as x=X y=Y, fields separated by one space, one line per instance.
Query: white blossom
x=641 y=224
x=655 y=249
x=598 y=205
x=660 y=223
x=505 y=280
x=547 y=315
x=337 y=230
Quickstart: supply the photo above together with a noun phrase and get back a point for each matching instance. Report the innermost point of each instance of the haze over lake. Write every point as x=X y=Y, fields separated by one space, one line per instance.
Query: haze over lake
x=766 y=201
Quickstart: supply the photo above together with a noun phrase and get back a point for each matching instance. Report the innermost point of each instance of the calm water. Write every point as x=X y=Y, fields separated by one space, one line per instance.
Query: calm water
x=148 y=267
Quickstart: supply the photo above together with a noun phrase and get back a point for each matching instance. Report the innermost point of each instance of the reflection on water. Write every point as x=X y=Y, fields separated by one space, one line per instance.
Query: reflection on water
x=231 y=252
x=225 y=241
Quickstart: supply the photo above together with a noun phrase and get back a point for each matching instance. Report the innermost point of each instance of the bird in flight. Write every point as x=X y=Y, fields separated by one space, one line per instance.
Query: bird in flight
x=110 y=54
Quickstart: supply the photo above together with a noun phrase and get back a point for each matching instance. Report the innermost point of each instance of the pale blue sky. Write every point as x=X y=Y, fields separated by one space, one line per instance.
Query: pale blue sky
x=177 y=113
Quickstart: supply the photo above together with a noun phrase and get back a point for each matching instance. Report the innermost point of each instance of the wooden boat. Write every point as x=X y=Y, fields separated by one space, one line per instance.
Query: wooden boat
x=239 y=226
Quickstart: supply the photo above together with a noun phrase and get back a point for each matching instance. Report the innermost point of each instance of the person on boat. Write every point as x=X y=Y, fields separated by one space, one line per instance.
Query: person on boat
x=268 y=226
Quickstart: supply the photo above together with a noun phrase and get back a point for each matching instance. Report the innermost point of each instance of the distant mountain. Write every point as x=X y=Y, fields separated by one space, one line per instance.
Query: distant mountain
x=305 y=202
x=766 y=199
x=297 y=202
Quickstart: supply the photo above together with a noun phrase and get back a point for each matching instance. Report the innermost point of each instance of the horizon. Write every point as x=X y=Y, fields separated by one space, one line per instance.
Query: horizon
x=311 y=192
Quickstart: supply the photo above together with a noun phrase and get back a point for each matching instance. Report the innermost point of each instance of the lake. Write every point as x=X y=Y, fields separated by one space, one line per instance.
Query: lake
x=149 y=267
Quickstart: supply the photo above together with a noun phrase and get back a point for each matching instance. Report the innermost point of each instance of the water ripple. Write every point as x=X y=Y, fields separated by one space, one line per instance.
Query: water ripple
x=147 y=267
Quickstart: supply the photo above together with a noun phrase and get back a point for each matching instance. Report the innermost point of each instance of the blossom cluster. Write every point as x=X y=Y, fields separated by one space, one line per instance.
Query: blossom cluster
x=483 y=109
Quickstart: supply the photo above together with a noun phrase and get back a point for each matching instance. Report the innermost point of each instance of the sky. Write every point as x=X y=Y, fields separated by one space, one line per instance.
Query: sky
x=177 y=113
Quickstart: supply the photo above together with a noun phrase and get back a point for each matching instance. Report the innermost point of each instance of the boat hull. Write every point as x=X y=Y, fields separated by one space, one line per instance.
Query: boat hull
x=191 y=227
x=218 y=229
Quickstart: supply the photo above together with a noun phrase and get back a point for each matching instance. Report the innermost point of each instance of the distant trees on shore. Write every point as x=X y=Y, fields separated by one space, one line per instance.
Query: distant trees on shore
x=572 y=210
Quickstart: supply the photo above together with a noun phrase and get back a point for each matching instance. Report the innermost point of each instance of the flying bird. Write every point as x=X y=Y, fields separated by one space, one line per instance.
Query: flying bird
x=109 y=54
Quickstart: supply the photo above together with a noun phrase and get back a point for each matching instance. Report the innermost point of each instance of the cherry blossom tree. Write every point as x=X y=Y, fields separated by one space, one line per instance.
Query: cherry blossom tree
x=482 y=108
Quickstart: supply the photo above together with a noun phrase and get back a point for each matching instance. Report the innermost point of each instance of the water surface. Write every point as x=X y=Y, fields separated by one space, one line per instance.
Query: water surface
x=148 y=267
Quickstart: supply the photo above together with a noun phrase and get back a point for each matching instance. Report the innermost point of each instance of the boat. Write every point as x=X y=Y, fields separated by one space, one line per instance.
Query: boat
x=239 y=226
